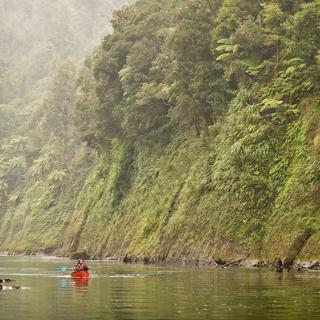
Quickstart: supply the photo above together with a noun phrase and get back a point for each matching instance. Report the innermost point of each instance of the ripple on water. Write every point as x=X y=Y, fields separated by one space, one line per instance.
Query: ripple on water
x=154 y=293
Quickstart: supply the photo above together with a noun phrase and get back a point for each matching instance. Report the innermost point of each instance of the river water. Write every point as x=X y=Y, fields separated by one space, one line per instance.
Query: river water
x=138 y=292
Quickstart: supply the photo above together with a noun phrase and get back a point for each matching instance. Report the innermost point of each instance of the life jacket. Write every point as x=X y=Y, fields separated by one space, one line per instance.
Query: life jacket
x=82 y=267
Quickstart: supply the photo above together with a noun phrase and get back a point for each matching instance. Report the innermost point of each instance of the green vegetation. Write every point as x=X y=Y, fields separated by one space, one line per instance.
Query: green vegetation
x=200 y=120
x=43 y=163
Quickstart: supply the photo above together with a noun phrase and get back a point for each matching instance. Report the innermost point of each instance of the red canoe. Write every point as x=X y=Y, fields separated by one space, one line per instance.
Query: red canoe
x=80 y=274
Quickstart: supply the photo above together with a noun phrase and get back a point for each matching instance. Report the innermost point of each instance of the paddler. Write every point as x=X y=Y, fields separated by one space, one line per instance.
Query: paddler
x=81 y=266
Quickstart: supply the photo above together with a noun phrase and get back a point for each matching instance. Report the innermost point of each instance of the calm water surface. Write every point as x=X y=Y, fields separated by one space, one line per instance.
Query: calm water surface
x=151 y=292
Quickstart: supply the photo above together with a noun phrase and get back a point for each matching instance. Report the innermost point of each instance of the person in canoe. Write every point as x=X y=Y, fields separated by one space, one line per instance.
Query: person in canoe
x=81 y=266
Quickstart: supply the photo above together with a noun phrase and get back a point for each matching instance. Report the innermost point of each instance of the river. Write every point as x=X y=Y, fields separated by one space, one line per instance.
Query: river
x=139 y=292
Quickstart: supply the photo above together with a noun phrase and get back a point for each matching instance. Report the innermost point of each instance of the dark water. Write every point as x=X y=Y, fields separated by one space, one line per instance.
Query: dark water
x=151 y=292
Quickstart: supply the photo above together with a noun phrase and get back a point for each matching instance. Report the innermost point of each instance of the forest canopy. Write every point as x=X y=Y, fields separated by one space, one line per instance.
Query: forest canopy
x=178 y=64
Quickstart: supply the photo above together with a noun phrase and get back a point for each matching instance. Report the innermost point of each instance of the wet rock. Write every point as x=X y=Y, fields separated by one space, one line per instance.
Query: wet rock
x=146 y=260
x=232 y=263
x=300 y=265
x=253 y=263
x=315 y=265
x=278 y=265
x=212 y=264
x=6 y=280
x=126 y=259
x=16 y=287
x=2 y=287
x=219 y=261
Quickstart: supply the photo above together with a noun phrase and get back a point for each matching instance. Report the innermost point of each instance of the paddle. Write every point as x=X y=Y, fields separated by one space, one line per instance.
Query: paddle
x=64 y=269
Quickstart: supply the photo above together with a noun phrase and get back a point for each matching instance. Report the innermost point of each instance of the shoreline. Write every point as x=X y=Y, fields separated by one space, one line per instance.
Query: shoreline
x=241 y=262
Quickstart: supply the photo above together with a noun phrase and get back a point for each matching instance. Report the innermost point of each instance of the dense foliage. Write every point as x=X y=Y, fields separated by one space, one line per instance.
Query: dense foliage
x=205 y=116
x=42 y=160
x=211 y=107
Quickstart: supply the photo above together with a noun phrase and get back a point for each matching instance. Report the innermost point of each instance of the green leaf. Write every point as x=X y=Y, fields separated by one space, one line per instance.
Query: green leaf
x=224 y=57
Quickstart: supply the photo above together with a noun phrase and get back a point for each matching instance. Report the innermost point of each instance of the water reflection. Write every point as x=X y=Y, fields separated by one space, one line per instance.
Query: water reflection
x=63 y=283
x=154 y=293
x=78 y=282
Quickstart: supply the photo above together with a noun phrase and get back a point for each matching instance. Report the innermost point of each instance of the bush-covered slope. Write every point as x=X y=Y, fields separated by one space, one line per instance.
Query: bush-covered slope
x=42 y=161
x=205 y=115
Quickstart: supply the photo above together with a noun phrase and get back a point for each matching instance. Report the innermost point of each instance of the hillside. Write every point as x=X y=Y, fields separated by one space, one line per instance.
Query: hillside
x=203 y=118
x=41 y=156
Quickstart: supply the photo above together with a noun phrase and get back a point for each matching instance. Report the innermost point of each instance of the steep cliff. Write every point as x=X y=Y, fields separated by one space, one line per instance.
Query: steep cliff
x=205 y=119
